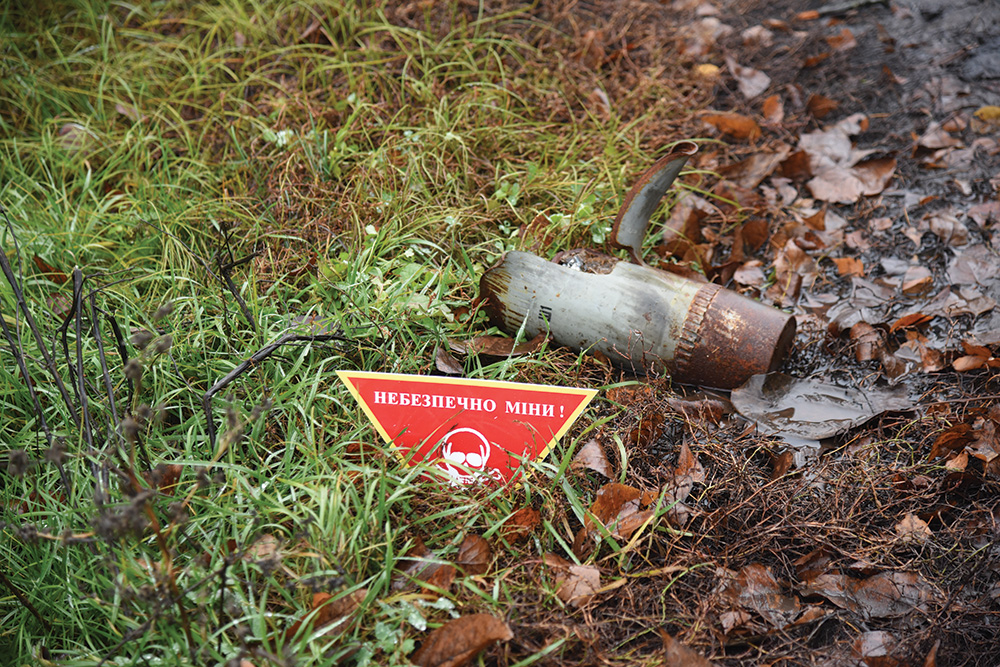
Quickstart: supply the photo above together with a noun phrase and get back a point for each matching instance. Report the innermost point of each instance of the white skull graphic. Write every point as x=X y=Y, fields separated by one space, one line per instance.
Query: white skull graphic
x=469 y=448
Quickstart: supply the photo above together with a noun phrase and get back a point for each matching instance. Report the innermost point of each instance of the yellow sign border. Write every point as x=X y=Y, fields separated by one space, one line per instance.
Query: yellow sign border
x=588 y=395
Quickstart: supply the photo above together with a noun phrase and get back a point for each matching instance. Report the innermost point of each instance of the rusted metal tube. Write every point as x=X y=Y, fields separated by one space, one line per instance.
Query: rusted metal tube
x=643 y=319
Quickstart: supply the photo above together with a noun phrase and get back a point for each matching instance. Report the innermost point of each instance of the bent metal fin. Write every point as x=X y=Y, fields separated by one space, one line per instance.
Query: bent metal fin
x=632 y=221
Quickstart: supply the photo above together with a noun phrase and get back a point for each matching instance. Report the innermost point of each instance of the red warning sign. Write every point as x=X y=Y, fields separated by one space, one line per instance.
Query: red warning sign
x=473 y=430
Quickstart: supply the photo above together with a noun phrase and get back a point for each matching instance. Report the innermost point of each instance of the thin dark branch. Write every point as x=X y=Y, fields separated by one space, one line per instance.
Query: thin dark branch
x=81 y=392
x=226 y=271
x=259 y=356
x=23 y=599
x=30 y=321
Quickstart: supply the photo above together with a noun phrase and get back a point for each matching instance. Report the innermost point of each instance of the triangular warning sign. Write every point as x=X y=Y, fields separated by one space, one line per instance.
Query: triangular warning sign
x=474 y=430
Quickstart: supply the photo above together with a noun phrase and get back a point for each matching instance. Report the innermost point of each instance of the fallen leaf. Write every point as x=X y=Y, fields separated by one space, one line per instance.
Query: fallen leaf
x=773 y=110
x=474 y=555
x=749 y=173
x=935 y=137
x=879 y=596
x=849 y=266
x=952 y=440
x=49 y=271
x=958 y=463
x=985 y=119
x=869 y=343
x=752 y=82
x=326 y=610
x=631 y=394
x=821 y=106
x=875 y=648
x=677 y=654
x=757 y=36
x=735 y=125
x=750 y=274
x=520 y=524
x=701 y=406
x=592 y=52
x=648 y=430
x=499 y=346
x=843 y=41
x=74 y=137
x=446 y=363
x=424 y=565
x=129 y=112
x=164 y=477
x=458 y=642
x=264 y=547
x=577 y=584
x=755 y=588
x=611 y=499
x=913 y=529
x=813 y=61
x=592 y=456
x=910 y=321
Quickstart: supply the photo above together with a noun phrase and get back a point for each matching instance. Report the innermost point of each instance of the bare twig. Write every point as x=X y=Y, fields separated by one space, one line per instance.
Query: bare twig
x=22 y=305
x=23 y=599
x=258 y=356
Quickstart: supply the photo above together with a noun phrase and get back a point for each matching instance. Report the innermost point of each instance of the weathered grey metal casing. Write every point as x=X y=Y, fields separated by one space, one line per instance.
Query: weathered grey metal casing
x=643 y=319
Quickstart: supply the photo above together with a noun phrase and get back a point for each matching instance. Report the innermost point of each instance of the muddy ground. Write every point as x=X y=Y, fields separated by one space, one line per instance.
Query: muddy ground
x=772 y=518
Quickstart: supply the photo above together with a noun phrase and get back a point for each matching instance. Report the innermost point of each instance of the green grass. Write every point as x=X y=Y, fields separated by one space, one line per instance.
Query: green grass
x=373 y=164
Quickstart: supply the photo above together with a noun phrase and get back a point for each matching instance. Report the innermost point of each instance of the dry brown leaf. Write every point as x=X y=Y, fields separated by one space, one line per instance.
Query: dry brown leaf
x=424 y=565
x=737 y=126
x=577 y=584
x=936 y=137
x=446 y=363
x=458 y=642
x=325 y=610
x=129 y=112
x=631 y=394
x=821 y=106
x=683 y=228
x=611 y=499
x=701 y=406
x=749 y=173
x=754 y=587
x=910 y=321
x=498 y=346
x=958 y=463
x=843 y=41
x=868 y=341
x=879 y=596
x=164 y=477
x=750 y=274
x=773 y=110
x=264 y=547
x=648 y=430
x=875 y=174
x=751 y=82
x=521 y=524
x=849 y=266
x=913 y=529
x=875 y=648
x=952 y=440
x=592 y=456
x=474 y=555
x=677 y=654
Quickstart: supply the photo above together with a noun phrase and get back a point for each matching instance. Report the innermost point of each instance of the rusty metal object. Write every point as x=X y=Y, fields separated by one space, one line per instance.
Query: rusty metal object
x=644 y=320
x=632 y=221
